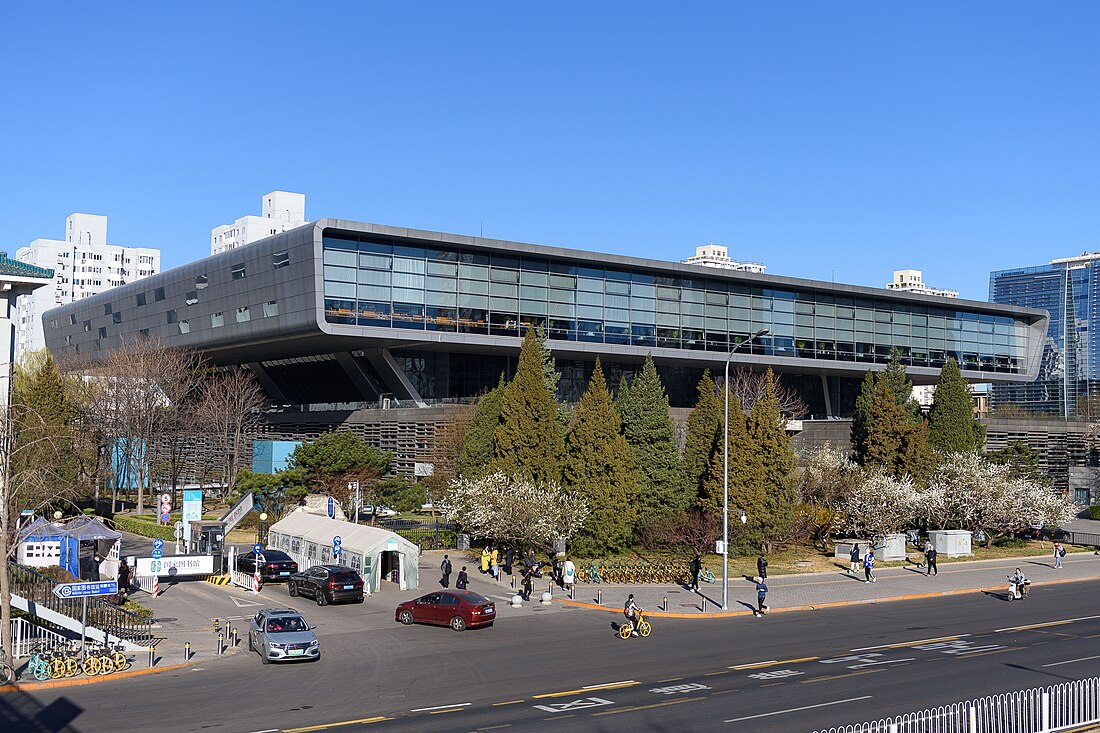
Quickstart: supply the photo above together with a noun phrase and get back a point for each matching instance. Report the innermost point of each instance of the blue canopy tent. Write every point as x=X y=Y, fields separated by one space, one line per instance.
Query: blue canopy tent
x=97 y=539
x=44 y=544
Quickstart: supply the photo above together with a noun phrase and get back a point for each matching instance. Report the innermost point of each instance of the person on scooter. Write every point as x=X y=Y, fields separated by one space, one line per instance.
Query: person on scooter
x=1018 y=583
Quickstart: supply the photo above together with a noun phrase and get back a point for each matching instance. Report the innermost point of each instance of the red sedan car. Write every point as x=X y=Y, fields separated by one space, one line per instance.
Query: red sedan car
x=459 y=609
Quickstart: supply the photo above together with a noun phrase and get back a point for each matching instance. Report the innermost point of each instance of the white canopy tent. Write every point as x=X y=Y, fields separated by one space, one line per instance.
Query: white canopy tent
x=379 y=555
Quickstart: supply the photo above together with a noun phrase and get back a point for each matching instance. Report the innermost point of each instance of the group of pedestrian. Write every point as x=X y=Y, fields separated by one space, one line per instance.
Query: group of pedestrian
x=866 y=561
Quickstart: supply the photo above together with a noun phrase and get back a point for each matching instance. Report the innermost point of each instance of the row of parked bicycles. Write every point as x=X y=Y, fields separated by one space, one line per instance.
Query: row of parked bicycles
x=65 y=661
x=641 y=573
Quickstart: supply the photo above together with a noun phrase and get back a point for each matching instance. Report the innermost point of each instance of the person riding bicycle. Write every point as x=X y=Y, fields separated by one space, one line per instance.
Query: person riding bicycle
x=632 y=613
x=1020 y=581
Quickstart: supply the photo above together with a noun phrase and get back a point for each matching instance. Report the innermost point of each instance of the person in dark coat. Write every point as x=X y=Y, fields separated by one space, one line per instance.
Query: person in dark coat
x=762 y=567
x=930 y=561
x=696 y=568
x=761 y=594
x=528 y=575
x=445 y=571
x=509 y=559
x=463 y=580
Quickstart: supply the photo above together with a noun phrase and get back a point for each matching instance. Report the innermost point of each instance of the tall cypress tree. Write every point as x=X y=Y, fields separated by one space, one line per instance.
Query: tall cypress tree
x=704 y=425
x=600 y=465
x=768 y=431
x=44 y=433
x=528 y=442
x=901 y=386
x=648 y=427
x=746 y=480
x=479 y=444
x=893 y=441
x=861 y=417
x=952 y=427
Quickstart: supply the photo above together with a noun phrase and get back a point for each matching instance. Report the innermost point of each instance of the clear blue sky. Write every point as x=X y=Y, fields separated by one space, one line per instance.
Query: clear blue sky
x=828 y=140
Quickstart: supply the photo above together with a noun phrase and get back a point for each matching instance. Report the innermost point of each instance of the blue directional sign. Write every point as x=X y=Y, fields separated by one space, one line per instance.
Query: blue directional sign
x=158 y=544
x=331 y=508
x=336 y=551
x=83 y=590
x=337 y=540
x=257 y=548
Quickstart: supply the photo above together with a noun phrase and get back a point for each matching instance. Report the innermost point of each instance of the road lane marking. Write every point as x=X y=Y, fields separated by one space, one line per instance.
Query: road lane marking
x=494 y=727
x=440 y=712
x=1071 y=661
x=670 y=679
x=440 y=707
x=711 y=674
x=507 y=702
x=1050 y=623
x=560 y=717
x=910 y=643
x=992 y=651
x=636 y=708
x=326 y=726
x=589 y=688
x=795 y=710
x=757 y=665
x=838 y=676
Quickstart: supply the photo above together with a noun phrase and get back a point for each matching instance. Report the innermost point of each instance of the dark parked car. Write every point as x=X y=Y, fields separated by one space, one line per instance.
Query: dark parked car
x=280 y=634
x=276 y=565
x=327 y=584
x=458 y=609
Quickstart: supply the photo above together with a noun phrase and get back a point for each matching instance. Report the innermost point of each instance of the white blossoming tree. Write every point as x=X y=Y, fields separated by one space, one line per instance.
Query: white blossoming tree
x=500 y=507
x=879 y=504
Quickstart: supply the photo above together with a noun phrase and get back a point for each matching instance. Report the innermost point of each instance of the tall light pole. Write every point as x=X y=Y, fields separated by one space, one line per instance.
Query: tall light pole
x=726 y=475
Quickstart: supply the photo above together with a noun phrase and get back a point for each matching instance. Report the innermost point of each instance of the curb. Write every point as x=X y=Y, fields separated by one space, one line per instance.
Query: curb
x=816 y=606
x=47 y=684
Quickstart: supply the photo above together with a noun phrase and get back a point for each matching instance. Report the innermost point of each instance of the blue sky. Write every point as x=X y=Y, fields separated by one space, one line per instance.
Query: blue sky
x=828 y=140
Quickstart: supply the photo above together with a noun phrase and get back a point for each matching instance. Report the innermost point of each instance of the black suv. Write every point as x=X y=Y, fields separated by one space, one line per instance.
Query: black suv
x=276 y=565
x=327 y=584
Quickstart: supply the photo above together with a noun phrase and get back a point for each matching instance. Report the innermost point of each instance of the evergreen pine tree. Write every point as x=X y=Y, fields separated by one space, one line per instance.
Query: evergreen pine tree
x=746 y=481
x=479 y=445
x=600 y=465
x=901 y=386
x=861 y=417
x=768 y=431
x=952 y=426
x=650 y=431
x=550 y=377
x=43 y=416
x=704 y=425
x=893 y=441
x=528 y=441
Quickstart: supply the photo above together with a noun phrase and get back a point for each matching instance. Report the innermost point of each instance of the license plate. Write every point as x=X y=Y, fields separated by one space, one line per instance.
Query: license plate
x=490 y=609
x=296 y=652
x=285 y=572
x=349 y=587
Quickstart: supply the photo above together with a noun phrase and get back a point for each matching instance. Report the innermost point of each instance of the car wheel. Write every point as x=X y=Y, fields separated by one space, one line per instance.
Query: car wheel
x=250 y=647
x=318 y=657
x=458 y=623
x=263 y=657
x=359 y=599
x=322 y=600
x=292 y=589
x=405 y=617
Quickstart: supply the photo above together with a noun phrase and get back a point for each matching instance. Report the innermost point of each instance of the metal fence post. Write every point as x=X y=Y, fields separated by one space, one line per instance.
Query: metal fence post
x=973 y=721
x=1044 y=712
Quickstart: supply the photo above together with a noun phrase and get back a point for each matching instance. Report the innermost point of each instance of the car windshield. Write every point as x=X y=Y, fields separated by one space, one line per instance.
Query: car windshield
x=287 y=624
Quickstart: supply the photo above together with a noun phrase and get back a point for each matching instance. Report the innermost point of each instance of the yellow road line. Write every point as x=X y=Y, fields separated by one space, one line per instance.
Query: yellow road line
x=724 y=692
x=760 y=665
x=440 y=712
x=711 y=674
x=670 y=679
x=326 y=726
x=508 y=702
x=494 y=727
x=612 y=686
x=995 y=651
x=648 y=707
x=840 y=676
x=560 y=717
x=911 y=643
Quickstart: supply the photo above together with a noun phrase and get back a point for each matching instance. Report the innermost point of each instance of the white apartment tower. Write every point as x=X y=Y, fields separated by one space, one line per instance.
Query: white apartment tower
x=715 y=255
x=910 y=281
x=280 y=211
x=83 y=265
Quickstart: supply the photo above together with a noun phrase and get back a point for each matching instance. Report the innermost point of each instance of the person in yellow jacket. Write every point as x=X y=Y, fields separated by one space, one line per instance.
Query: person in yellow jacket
x=485 y=559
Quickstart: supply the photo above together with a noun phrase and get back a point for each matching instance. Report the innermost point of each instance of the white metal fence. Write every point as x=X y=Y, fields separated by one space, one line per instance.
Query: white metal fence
x=1039 y=710
x=25 y=636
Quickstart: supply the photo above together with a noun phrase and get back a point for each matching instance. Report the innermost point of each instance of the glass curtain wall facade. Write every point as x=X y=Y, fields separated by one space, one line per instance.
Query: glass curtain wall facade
x=373 y=281
x=1069 y=377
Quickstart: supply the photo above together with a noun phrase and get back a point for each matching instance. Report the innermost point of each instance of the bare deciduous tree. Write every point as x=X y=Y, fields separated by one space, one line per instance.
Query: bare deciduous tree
x=229 y=414
x=749 y=386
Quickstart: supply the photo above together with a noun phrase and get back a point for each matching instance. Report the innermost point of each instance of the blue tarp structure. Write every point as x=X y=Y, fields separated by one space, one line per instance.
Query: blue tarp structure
x=43 y=530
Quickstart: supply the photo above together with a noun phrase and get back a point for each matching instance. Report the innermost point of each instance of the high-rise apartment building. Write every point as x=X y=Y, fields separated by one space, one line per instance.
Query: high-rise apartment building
x=715 y=255
x=1069 y=374
x=911 y=281
x=83 y=265
x=279 y=212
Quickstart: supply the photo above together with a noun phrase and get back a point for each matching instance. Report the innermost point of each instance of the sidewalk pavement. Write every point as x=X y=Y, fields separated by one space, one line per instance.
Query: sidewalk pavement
x=823 y=590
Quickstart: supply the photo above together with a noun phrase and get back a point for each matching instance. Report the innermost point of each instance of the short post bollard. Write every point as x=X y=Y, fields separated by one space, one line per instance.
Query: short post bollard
x=704 y=605
x=512 y=578
x=572 y=590
x=228 y=631
x=217 y=626
x=152 y=661
x=664 y=606
x=187 y=651
x=599 y=596
x=220 y=640
x=550 y=588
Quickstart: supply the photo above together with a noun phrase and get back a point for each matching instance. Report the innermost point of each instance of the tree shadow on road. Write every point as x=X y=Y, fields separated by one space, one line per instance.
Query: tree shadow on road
x=21 y=713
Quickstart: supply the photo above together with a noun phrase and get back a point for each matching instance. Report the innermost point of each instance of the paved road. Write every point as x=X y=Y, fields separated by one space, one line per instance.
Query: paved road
x=765 y=674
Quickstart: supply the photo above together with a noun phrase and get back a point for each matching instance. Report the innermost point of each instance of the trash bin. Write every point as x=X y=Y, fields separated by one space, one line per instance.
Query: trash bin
x=463 y=541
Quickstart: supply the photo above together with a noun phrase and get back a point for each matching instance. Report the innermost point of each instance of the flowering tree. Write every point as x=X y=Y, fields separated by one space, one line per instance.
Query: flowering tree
x=825 y=479
x=516 y=509
x=880 y=503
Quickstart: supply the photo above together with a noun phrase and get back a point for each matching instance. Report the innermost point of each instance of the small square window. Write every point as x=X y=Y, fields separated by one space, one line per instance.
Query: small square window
x=68 y=340
x=144 y=333
x=87 y=326
x=243 y=315
x=201 y=282
x=116 y=317
x=185 y=327
x=238 y=272
x=53 y=324
x=280 y=259
x=103 y=332
x=271 y=308
x=191 y=298
x=72 y=319
x=217 y=320
x=106 y=309
x=140 y=298
x=172 y=317
x=158 y=294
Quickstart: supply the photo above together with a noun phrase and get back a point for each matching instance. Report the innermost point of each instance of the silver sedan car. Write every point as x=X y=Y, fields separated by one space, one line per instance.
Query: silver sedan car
x=281 y=634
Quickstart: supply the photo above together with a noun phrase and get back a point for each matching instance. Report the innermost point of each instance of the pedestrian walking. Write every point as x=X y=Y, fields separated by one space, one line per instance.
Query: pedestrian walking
x=927 y=547
x=494 y=569
x=762 y=567
x=761 y=594
x=556 y=568
x=869 y=566
x=930 y=561
x=485 y=559
x=445 y=568
x=494 y=559
x=569 y=574
x=462 y=580
x=853 y=559
x=696 y=569
x=527 y=581
x=509 y=559
x=1059 y=553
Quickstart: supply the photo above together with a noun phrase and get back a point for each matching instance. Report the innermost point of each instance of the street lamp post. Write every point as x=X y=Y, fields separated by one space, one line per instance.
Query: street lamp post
x=726 y=475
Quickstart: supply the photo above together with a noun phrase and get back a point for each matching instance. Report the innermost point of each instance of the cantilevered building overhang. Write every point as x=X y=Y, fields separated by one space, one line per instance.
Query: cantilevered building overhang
x=342 y=311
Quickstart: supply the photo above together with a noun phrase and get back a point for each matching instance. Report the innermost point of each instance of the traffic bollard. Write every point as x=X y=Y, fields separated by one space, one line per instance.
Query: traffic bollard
x=599 y=596
x=665 y=606
x=704 y=606
x=217 y=626
x=187 y=651
x=151 y=660
x=220 y=640
x=572 y=590
x=513 y=578
x=236 y=638
x=550 y=588
x=228 y=631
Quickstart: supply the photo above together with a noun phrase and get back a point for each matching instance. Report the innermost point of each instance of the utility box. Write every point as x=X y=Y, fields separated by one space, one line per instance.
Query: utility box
x=950 y=542
x=890 y=547
x=843 y=549
x=208 y=538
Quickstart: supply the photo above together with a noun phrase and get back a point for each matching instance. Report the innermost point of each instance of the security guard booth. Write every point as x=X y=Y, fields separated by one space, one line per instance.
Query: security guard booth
x=208 y=538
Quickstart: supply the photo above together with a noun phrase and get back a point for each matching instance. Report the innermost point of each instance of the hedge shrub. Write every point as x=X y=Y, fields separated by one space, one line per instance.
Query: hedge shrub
x=1094 y=511
x=145 y=529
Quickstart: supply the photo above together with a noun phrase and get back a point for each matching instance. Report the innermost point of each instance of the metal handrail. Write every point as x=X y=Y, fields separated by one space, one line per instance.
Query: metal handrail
x=37 y=588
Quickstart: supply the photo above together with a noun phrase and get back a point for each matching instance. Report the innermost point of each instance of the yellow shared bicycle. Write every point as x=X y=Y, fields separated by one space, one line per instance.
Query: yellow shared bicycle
x=644 y=627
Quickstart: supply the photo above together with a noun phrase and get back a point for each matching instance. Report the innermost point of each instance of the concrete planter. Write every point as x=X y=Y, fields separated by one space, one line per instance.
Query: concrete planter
x=890 y=547
x=951 y=542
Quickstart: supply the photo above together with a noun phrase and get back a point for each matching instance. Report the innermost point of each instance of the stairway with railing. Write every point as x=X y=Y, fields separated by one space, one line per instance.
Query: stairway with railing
x=32 y=592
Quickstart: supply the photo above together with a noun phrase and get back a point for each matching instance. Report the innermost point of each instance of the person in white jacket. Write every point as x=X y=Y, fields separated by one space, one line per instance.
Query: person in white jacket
x=568 y=574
